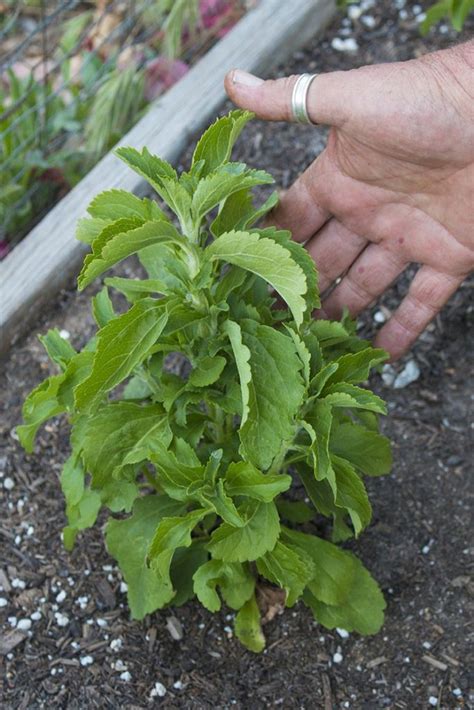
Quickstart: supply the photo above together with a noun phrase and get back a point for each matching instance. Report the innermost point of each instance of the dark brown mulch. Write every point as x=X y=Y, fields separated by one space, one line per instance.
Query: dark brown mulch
x=417 y=546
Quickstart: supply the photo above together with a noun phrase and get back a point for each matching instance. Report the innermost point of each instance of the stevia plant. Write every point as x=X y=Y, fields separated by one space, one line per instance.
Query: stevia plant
x=201 y=474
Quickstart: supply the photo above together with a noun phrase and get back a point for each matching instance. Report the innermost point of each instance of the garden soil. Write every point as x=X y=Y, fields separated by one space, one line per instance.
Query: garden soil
x=83 y=651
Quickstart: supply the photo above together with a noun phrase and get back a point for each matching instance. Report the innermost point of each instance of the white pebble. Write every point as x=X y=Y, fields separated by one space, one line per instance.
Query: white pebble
x=18 y=583
x=30 y=531
x=433 y=701
x=3 y=602
x=123 y=587
x=379 y=317
x=337 y=658
x=17 y=540
x=61 y=596
x=179 y=685
x=24 y=624
x=416 y=9
x=368 y=21
x=427 y=645
x=344 y=45
x=9 y=483
x=107 y=568
x=126 y=676
x=343 y=633
x=116 y=644
x=403 y=14
x=61 y=619
x=12 y=621
x=158 y=690
x=457 y=692
x=119 y=665
x=86 y=661
x=101 y=623
x=421 y=17
x=65 y=334
x=354 y=12
x=35 y=616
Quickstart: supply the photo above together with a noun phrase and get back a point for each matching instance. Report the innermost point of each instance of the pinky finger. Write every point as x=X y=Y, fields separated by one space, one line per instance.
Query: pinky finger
x=429 y=291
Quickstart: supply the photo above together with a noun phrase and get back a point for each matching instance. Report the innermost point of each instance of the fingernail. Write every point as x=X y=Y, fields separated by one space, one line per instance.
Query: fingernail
x=243 y=77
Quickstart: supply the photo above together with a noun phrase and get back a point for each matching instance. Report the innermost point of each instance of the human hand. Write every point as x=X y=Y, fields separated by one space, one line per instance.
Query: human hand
x=394 y=185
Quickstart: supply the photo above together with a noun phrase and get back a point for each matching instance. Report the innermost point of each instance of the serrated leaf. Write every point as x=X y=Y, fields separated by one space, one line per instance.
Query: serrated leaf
x=351 y=396
x=135 y=289
x=119 y=495
x=40 y=405
x=170 y=534
x=243 y=479
x=222 y=183
x=121 y=345
x=257 y=536
x=128 y=541
x=216 y=143
x=247 y=626
x=318 y=424
x=301 y=256
x=268 y=260
x=58 y=348
x=276 y=392
x=120 y=434
x=238 y=212
x=114 y=204
x=88 y=229
x=175 y=476
x=81 y=516
x=242 y=360
x=366 y=450
x=102 y=308
x=119 y=245
x=208 y=371
x=351 y=494
x=289 y=568
x=72 y=480
x=355 y=367
x=319 y=380
x=235 y=582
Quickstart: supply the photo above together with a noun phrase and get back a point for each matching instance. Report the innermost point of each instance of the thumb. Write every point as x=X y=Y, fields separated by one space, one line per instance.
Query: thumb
x=271 y=100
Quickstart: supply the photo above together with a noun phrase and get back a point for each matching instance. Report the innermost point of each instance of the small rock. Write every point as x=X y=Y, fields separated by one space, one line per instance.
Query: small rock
x=354 y=12
x=12 y=620
x=337 y=658
x=9 y=483
x=379 y=317
x=368 y=21
x=416 y=9
x=65 y=334
x=3 y=602
x=86 y=661
x=61 y=596
x=179 y=685
x=24 y=625
x=116 y=645
x=126 y=676
x=35 y=616
x=457 y=692
x=433 y=701
x=344 y=45
x=61 y=619
x=158 y=690
x=18 y=583
x=343 y=633
x=175 y=628
x=119 y=665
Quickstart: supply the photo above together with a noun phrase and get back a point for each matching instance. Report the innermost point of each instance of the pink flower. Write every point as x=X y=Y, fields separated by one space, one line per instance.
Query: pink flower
x=214 y=12
x=160 y=74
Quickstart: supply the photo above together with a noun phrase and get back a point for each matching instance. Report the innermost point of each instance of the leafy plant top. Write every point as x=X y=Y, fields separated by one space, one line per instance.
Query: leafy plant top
x=202 y=474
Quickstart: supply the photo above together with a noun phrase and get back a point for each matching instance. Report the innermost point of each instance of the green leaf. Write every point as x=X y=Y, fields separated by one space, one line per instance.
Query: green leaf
x=135 y=289
x=119 y=495
x=242 y=358
x=115 y=204
x=243 y=479
x=122 y=345
x=318 y=424
x=128 y=541
x=208 y=371
x=81 y=515
x=72 y=481
x=119 y=245
x=89 y=229
x=289 y=568
x=319 y=380
x=257 y=536
x=58 y=348
x=102 y=307
x=222 y=183
x=351 y=494
x=216 y=143
x=355 y=367
x=295 y=511
x=302 y=257
x=173 y=475
x=170 y=534
x=40 y=405
x=276 y=392
x=235 y=581
x=247 y=626
x=351 y=396
x=186 y=561
x=268 y=260
x=120 y=434
x=366 y=450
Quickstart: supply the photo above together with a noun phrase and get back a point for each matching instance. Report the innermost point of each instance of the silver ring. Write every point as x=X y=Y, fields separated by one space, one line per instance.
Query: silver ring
x=299 y=98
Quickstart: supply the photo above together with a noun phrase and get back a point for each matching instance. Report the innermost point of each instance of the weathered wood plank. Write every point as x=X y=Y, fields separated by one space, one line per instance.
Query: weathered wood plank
x=49 y=257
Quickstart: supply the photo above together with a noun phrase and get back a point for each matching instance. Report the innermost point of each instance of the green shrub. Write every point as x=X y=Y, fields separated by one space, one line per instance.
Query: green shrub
x=208 y=467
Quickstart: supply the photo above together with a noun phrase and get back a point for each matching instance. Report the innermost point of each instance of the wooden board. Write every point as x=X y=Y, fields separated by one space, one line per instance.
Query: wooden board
x=48 y=259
